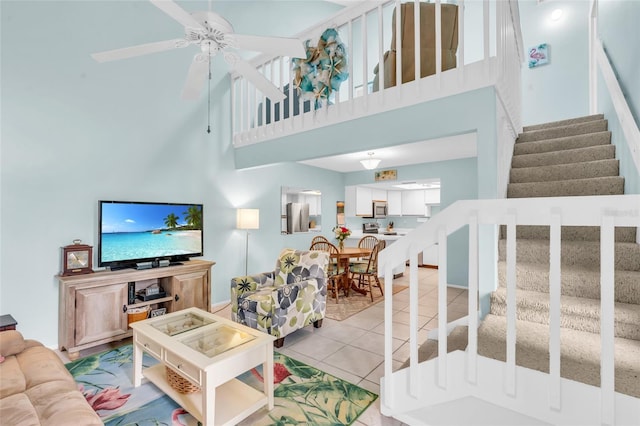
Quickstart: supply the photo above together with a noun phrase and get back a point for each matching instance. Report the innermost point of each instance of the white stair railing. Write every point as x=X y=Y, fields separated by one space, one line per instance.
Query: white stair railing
x=607 y=212
x=598 y=61
x=365 y=28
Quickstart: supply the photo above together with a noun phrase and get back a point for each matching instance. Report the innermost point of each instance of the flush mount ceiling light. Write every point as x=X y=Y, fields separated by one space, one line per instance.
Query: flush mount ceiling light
x=556 y=14
x=370 y=163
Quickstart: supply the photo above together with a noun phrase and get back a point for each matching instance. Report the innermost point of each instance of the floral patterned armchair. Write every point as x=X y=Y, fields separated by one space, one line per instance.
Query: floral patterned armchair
x=291 y=297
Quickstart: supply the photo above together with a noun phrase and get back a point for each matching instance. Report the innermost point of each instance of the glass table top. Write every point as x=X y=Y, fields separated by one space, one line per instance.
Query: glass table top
x=214 y=341
x=176 y=324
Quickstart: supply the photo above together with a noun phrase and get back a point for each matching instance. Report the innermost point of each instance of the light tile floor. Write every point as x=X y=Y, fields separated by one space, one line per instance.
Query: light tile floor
x=353 y=349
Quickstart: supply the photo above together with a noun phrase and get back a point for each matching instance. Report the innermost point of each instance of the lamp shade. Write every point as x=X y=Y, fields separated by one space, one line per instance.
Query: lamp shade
x=248 y=218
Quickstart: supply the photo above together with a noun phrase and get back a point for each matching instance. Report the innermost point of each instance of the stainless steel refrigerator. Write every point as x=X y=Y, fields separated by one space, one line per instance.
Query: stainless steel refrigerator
x=297 y=217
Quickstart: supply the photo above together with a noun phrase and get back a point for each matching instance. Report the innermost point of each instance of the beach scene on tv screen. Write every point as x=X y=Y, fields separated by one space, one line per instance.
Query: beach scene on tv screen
x=140 y=231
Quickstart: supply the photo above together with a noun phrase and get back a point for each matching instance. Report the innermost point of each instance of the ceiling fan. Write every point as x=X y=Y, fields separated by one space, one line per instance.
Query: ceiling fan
x=212 y=34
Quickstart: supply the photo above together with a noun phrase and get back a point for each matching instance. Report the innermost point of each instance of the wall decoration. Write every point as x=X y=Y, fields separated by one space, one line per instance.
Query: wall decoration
x=386 y=175
x=324 y=68
x=340 y=220
x=538 y=55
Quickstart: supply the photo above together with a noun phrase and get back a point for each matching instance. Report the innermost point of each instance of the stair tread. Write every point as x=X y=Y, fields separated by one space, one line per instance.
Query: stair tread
x=576 y=311
x=560 y=123
x=569 y=156
x=569 y=233
x=629 y=353
x=581 y=253
x=582 y=170
x=608 y=185
x=569 y=302
x=561 y=131
x=576 y=281
x=563 y=143
x=580 y=352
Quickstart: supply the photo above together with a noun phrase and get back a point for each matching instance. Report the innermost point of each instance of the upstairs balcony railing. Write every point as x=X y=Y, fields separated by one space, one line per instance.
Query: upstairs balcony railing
x=488 y=51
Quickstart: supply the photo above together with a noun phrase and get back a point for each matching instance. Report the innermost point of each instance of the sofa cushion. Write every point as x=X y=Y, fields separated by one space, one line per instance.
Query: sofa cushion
x=11 y=343
x=37 y=389
x=41 y=365
x=12 y=380
x=18 y=410
x=59 y=403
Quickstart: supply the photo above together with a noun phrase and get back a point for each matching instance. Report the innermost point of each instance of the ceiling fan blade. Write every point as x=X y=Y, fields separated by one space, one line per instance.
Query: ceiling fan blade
x=198 y=73
x=275 y=45
x=177 y=13
x=139 y=50
x=258 y=80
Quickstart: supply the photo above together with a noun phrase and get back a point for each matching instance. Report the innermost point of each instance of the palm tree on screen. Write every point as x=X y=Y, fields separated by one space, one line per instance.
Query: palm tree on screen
x=171 y=220
x=193 y=216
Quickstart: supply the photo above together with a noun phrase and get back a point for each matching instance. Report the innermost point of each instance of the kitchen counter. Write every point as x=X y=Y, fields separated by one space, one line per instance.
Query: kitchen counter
x=400 y=232
x=428 y=257
x=355 y=236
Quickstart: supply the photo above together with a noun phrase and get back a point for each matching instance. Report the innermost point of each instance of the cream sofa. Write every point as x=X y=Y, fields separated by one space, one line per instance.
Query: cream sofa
x=36 y=388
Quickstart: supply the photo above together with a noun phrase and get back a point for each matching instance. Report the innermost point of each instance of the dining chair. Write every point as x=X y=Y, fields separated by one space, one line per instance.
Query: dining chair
x=335 y=270
x=368 y=270
x=319 y=239
x=368 y=241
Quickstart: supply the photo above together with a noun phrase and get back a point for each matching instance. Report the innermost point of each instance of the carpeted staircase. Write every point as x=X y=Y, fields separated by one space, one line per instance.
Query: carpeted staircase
x=566 y=158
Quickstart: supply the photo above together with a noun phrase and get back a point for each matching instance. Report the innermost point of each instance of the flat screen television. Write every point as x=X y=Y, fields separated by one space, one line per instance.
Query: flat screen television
x=133 y=232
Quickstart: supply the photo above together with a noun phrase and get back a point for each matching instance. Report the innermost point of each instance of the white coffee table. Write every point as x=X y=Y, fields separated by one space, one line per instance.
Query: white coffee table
x=210 y=351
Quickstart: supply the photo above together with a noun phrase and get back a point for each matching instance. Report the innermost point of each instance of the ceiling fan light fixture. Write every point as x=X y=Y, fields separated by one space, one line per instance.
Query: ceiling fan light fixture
x=370 y=163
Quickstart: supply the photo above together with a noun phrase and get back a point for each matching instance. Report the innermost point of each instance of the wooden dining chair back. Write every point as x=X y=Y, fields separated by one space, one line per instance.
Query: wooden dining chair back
x=368 y=271
x=368 y=241
x=318 y=239
x=334 y=271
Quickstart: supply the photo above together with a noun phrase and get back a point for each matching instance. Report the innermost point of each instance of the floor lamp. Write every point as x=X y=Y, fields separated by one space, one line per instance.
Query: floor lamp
x=247 y=219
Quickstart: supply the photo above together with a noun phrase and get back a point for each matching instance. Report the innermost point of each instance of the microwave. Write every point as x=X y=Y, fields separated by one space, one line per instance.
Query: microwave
x=379 y=209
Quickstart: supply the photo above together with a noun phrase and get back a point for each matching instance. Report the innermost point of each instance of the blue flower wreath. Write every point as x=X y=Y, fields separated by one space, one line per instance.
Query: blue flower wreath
x=324 y=68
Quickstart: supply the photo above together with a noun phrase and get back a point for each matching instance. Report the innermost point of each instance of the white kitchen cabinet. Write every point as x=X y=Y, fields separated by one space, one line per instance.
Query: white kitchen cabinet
x=432 y=196
x=364 y=201
x=413 y=203
x=314 y=203
x=394 y=203
x=378 y=194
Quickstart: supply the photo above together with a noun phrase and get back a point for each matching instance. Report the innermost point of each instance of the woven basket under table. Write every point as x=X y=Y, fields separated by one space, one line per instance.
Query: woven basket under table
x=179 y=383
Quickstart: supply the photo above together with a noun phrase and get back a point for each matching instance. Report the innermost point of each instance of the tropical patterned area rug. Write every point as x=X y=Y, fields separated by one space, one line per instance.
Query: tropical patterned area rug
x=356 y=302
x=303 y=394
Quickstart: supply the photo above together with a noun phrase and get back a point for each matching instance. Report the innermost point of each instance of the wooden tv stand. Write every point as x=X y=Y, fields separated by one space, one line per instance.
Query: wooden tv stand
x=93 y=307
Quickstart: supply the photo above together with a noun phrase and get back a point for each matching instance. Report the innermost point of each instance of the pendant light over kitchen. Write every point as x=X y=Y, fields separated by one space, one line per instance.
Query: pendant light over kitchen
x=370 y=163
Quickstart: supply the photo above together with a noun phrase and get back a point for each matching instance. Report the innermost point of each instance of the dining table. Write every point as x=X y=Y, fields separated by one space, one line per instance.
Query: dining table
x=344 y=255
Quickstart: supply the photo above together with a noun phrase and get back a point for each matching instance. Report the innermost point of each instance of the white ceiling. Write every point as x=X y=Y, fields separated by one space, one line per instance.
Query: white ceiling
x=442 y=149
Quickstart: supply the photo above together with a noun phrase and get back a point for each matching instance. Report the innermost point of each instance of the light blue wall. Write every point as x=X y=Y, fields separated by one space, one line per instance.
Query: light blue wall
x=559 y=89
x=74 y=131
x=618 y=30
